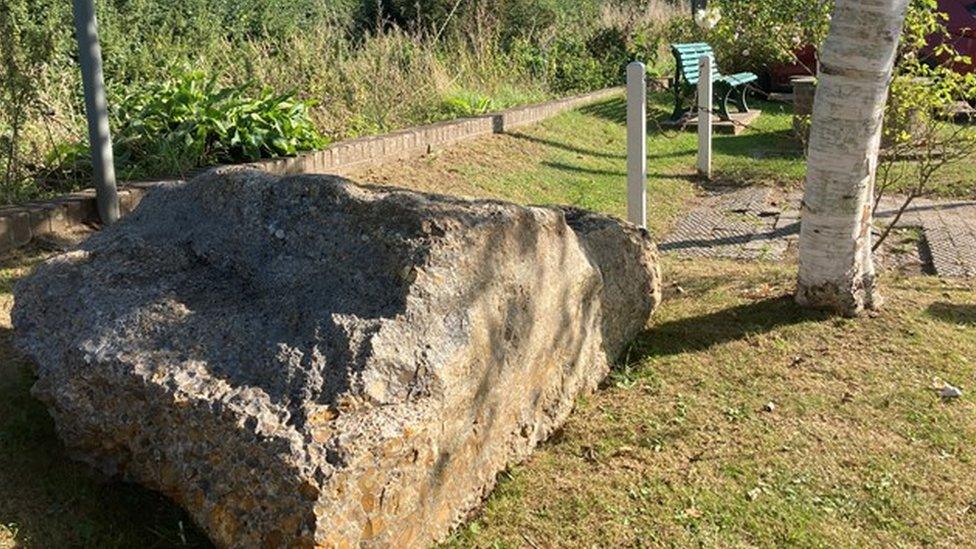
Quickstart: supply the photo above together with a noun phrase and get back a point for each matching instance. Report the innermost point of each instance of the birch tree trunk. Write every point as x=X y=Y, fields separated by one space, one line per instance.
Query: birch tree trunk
x=836 y=268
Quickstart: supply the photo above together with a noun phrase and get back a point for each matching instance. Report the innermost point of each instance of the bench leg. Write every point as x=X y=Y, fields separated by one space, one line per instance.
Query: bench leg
x=678 y=111
x=740 y=101
x=723 y=103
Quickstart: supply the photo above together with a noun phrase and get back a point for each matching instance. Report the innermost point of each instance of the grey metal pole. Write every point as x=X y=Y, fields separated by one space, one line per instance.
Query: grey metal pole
x=637 y=144
x=96 y=109
x=705 y=117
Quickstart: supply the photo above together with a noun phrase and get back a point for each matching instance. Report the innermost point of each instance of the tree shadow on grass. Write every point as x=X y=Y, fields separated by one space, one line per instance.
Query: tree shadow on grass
x=699 y=333
x=955 y=313
x=580 y=169
x=689 y=177
x=566 y=146
x=758 y=236
x=48 y=500
x=613 y=110
x=759 y=145
x=659 y=107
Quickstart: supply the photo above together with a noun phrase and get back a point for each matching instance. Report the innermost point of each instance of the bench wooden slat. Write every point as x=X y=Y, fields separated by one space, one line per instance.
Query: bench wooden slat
x=692 y=60
x=740 y=79
x=715 y=78
x=692 y=67
x=692 y=46
x=694 y=70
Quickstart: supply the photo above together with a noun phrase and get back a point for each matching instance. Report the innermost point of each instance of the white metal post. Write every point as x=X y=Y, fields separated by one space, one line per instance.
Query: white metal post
x=705 y=116
x=96 y=107
x=637 y=144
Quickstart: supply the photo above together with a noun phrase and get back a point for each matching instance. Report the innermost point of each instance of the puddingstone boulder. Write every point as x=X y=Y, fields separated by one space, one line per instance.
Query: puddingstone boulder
x=302 y=361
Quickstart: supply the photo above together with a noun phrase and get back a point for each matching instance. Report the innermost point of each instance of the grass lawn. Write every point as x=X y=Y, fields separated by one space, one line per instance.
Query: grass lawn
x=681 y=447
x=579 y=158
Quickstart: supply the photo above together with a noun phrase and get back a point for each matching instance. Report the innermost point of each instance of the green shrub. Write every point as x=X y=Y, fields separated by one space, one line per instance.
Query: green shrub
x=31 y=85
x=925 y=88
x=753 y=35
x=191 y=121
x=463 y=103
x=598 y=57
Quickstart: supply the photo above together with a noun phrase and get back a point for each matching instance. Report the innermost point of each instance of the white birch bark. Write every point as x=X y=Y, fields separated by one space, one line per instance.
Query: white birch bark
x=836 y=268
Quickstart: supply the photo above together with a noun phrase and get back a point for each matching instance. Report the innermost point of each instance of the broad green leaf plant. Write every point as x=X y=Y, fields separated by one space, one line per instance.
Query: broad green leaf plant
x=192 y=121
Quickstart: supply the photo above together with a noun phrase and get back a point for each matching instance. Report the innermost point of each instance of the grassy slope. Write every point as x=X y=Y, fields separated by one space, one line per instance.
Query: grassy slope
x=857 y=449
x=579 y=158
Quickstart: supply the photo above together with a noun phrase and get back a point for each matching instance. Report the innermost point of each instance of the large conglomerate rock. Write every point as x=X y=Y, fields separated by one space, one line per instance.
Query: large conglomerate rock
x=303 y=361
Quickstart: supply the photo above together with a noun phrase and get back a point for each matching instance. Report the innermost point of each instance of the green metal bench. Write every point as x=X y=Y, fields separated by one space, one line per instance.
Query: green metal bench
x=726 y=89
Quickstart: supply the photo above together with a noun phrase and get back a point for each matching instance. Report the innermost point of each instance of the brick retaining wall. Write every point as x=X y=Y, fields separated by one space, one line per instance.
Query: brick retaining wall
x=421 y=140
x=21 y=224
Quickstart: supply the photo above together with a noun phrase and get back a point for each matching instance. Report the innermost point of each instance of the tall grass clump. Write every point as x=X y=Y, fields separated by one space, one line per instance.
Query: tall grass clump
x=345 y=68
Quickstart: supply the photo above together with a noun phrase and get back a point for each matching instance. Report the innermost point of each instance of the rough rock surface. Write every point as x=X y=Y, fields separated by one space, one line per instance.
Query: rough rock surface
x=303 y=361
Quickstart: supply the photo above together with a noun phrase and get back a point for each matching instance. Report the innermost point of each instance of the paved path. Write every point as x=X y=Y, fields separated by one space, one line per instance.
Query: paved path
x=762 y=223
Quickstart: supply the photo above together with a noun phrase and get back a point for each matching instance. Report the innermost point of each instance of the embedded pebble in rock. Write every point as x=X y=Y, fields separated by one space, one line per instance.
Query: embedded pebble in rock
x=304 y=361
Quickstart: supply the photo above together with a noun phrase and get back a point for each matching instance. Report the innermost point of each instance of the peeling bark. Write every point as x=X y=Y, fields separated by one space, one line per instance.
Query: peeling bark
x=836 y=268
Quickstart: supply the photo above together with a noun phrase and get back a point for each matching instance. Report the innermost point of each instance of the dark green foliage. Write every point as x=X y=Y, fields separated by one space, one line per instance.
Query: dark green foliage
x=464 y=104
x=191 y=121
x=586 y=61
x=514 y=18
x=751 y=36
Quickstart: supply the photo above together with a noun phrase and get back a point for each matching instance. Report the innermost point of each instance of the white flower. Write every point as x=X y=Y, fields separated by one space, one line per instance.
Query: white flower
x=707 y=19
x=797 y=40
x=714 y=17
x=700 y=18
x=745 y=52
